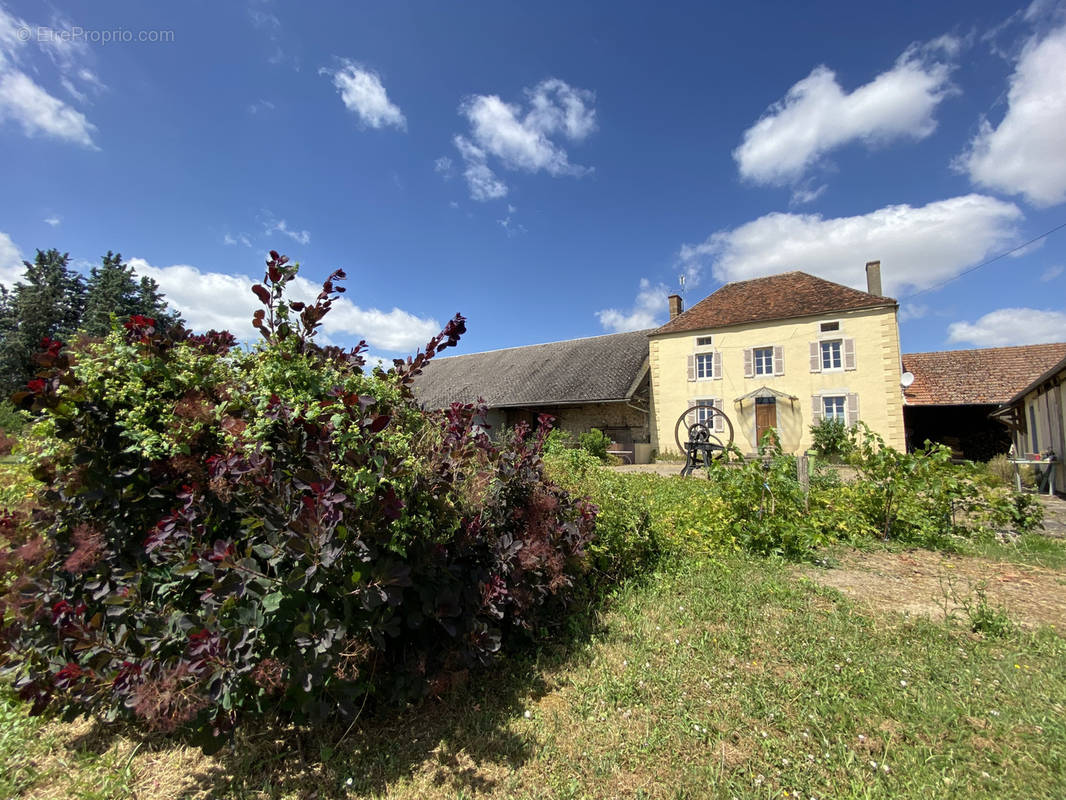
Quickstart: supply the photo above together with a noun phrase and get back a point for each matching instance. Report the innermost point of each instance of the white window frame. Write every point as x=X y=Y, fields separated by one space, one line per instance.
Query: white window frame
x=833 y=334
x=839 y=342
x=708 y=358
x=838 y=399
x=716 y=426
x=699 y=346
x=755 y=362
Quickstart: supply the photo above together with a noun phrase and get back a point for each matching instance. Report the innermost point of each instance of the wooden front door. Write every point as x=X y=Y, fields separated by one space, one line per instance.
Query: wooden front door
x=765 y=417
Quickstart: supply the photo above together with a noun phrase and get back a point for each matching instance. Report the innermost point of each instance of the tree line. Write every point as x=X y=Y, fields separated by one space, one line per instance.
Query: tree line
x=54 y=301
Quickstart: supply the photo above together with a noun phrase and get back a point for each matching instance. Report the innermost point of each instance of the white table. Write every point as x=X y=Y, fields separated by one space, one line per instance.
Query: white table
x=1049 y=473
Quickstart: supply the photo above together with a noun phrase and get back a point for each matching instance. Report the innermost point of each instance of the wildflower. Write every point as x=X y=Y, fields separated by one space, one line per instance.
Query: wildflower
x=348 y=782
x=528 y=714
x=885 y=769
x=903 y=684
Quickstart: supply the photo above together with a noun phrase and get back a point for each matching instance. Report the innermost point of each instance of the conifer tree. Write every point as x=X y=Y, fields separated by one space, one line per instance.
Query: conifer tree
x=48 y=302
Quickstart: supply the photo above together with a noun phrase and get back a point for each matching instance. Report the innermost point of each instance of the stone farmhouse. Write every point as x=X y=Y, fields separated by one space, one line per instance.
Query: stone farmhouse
x=779 y=352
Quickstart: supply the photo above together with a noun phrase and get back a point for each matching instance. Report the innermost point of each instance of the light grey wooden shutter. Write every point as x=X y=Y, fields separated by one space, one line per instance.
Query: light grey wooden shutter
x=717 y=364
x=691 y=367
x=853 y=408
x=749 y=368
x=816 y=409
x=816 y=357
x=779 y=360
x=690 y=417
x=849 y=354
x=719 y=420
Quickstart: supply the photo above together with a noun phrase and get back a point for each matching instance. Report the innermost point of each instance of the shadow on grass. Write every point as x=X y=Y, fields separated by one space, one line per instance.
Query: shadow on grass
x=465 y=741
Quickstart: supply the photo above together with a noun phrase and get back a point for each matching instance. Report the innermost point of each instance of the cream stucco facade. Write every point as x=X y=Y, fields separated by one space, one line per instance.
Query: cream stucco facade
x=865 y=386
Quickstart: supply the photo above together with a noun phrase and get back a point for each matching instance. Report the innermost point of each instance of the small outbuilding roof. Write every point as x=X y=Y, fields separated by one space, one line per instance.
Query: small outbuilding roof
x=784 y=296
x=1054 y=370
x=597 y=369
x=988 y=376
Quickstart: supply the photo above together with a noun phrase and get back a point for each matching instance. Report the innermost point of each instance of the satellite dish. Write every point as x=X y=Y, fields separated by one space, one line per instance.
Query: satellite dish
x=906 y=379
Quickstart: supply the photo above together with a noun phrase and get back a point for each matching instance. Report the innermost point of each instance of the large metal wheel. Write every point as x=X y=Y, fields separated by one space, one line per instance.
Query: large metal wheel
x=703 y=433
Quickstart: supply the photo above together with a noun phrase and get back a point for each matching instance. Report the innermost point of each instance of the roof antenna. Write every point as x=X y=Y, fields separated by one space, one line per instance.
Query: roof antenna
x=681 y=282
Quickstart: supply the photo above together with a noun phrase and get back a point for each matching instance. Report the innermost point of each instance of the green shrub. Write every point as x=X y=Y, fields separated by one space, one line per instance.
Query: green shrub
x=225 y=533
x=831 y=438
x=558 y=441
x=625 y=543
x=595 y=442
x=1000 y=470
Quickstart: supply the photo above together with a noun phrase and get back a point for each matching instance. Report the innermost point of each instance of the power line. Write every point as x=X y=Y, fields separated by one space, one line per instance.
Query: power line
x=986 y=263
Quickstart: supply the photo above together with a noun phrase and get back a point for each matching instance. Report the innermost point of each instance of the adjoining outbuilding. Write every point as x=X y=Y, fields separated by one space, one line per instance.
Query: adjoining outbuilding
x=955 y=391
x=596 y=382
x=1036 y=418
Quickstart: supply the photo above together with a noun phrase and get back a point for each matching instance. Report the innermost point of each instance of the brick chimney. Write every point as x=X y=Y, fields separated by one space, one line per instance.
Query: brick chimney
x=677 y=305
x=873 y=277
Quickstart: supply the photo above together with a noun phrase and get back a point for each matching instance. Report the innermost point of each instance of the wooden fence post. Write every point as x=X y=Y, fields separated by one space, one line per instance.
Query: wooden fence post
x=803 y=473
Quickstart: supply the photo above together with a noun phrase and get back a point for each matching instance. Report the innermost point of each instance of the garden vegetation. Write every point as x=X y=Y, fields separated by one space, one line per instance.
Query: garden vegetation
x=222 y=534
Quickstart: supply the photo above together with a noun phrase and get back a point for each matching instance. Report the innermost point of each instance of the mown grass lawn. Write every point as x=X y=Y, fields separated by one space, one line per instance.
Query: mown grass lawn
x=727 y=678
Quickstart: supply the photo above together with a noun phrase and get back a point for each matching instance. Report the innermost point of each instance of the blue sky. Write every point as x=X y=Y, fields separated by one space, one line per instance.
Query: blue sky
x=547 y=169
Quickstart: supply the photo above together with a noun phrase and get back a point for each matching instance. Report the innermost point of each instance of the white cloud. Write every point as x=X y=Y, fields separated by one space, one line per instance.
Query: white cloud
x=364 y=95
x=240 y=238
x=1010 y=326
x=523 y=138
x=909 y=311
x=1051 y=273
x=225 y=301
x=648 y=307
x=443 y=165
x=817 y=115
x=27 y=103
x=260 y=106
x=1025 y=153
x=10 y=261
x=281 y=226
x=39 y=113
x=807 y=193
x=53 y=221
x=918 y=247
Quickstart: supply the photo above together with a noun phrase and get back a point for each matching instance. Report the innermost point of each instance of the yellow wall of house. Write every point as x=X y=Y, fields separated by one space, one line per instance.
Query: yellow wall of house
x=875 y=379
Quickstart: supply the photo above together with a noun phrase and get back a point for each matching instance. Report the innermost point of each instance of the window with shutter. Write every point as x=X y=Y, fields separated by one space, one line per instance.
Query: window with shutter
x=705 y=366
x=779 y=360
x=717 y=364
x=833 y=407
x=692 y=367
x=748 y=368
x=832 y=354
x=764 y=361
x=816 y=409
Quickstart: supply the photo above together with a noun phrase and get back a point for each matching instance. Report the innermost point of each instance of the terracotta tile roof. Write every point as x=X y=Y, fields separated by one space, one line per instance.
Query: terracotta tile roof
x=974 y=377
x=596 y=369
x=1047 y=374
x=790 y=294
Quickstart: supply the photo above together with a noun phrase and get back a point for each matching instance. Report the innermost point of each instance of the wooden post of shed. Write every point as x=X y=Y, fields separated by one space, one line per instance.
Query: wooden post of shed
x=803 y=473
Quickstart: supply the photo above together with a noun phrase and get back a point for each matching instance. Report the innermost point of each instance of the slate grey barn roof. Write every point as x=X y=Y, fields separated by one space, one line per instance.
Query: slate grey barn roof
x=596 y=369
